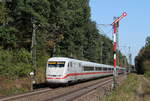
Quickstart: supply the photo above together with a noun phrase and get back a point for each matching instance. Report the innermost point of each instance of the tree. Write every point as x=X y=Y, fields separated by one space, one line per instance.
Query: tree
x=62 y=27
x=142 y=61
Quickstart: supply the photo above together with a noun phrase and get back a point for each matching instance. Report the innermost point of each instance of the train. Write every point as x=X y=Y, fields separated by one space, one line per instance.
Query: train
x=63 y=70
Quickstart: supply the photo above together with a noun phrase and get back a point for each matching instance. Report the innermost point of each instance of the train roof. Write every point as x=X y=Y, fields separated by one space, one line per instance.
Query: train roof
x=85 y=62
x=62 y=59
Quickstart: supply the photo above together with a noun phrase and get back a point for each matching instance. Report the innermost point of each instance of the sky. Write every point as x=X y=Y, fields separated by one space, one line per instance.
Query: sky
x=133 y=29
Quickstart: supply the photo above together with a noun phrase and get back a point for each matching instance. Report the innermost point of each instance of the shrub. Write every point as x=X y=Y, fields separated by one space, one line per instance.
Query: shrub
x=15 y=65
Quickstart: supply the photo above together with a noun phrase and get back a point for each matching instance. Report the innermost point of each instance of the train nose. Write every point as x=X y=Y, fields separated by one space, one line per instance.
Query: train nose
x=55 y=71
x=55 y=75
x=55 y=79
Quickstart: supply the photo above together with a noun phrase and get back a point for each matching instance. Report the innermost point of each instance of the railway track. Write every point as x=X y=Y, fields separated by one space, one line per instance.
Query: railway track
x=61 y=94
x=18 y=96
x=78 y=92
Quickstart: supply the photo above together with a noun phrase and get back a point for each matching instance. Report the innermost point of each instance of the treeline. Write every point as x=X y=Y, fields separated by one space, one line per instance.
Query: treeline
x=62 y=28
x=142 y=61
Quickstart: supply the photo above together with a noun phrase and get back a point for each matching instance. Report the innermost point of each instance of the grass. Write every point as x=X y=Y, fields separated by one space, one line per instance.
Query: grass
x=147 y=75
x=13 y=90
x=125 y=92
x=11 y=87
x=15 y=86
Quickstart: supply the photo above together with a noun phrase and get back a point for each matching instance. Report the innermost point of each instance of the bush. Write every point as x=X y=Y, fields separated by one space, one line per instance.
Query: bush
x=23 y=56
x=15 y=64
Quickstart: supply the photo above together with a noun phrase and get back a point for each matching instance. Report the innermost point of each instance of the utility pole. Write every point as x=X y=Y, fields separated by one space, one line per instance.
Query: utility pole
x=101 y=52
x=123 y=61
x=115 y=28
x=33 y=46
x=130 y=59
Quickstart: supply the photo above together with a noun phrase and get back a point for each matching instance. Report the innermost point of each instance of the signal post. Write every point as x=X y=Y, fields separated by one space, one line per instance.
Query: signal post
x=115 y=25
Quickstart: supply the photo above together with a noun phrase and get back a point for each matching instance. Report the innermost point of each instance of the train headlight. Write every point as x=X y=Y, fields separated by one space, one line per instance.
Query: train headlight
x=31 y=73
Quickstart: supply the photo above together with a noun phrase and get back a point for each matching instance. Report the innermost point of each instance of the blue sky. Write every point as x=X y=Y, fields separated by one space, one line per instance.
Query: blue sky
x=133 y=29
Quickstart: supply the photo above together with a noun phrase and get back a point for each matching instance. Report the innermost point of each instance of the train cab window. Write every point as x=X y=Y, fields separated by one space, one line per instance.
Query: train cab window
x=56 y=64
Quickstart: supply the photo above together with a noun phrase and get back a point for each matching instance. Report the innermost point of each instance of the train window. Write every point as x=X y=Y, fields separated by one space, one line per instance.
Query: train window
x=98 y=68
x=86 y=68
x=56 y=64
x=105 y=68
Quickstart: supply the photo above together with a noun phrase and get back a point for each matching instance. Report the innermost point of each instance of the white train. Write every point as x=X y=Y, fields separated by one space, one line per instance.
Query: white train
x=61 y=70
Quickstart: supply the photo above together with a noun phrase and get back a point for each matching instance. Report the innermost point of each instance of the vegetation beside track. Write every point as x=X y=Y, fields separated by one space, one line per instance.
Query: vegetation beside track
x=135 y=88
x=142 y=61
x=11 y=86
x=63 y=28
x=147 y=75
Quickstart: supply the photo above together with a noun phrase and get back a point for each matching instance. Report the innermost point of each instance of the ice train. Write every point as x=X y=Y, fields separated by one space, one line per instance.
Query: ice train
x=62 y=70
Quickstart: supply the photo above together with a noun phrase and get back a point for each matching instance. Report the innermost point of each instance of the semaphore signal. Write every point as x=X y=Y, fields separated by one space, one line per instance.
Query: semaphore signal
x=115 y=25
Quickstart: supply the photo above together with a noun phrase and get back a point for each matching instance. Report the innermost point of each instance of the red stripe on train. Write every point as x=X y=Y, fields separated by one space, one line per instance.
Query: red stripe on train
x=75 y=74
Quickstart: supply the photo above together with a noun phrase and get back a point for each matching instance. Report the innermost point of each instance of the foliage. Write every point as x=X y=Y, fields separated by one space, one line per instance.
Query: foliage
x=7 y=37
x=15 y=66
x=23 y=56
x=62 y=27
x=143 y=59
x=134 y=88
x=4 y=17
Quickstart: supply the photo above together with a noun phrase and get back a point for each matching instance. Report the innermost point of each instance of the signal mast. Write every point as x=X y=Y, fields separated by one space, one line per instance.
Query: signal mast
x=115 y=25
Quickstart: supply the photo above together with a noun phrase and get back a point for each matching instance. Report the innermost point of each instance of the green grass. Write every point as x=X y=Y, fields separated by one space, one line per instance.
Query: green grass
x=147 y=75
x=13 y=90
x=125 y=92
x=11 y=87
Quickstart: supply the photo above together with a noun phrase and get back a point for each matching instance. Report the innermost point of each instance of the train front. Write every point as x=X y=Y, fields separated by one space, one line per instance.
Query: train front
x=55 y=71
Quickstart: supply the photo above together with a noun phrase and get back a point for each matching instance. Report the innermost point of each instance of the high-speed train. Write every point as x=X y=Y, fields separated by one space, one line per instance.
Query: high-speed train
x=61 y=70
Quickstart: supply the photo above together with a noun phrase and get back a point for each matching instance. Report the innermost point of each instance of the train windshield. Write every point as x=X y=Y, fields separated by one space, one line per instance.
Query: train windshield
x=56 y=64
